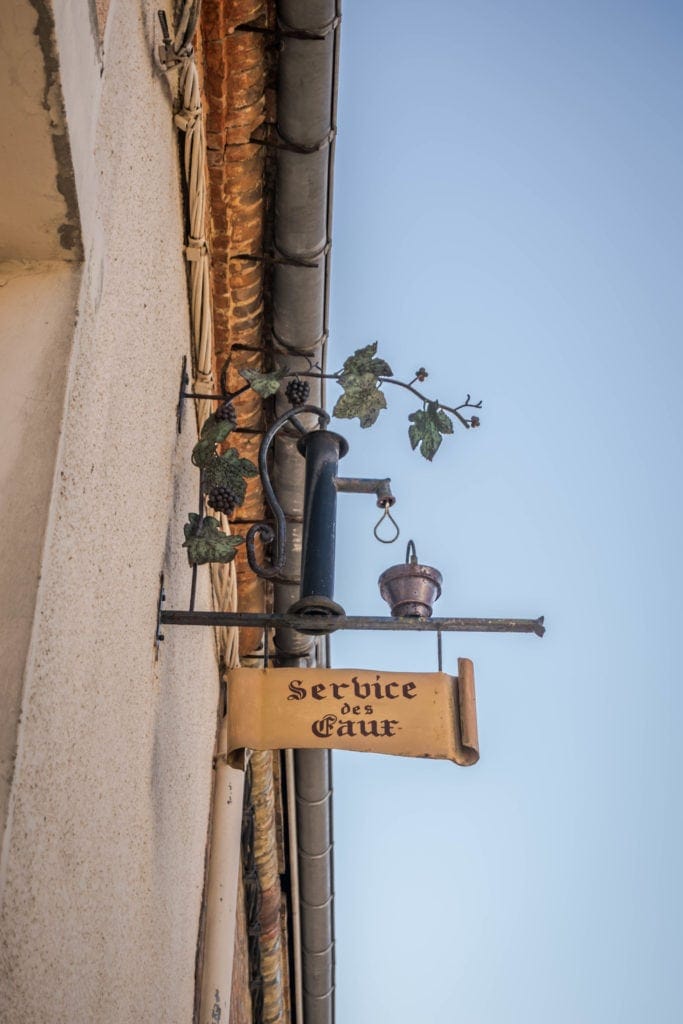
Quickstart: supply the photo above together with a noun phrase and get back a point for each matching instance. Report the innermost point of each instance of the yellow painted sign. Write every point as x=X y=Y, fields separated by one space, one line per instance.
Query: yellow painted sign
x=412 y=715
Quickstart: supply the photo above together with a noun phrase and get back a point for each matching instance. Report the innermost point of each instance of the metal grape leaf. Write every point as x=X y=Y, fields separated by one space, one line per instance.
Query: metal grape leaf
x=361 y=398
x=444 y=422
x=206 y=542
x=426 y=429
x=363 y=361
x=264 y=384
x=229 y=470
x=215 y=430
x=203 y=453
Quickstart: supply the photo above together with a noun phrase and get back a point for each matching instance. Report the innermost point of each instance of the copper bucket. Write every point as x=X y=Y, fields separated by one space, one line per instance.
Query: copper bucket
x=410 y=589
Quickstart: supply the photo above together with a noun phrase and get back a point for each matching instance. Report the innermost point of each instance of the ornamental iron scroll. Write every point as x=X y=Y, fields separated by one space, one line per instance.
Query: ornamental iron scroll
x=264 y=530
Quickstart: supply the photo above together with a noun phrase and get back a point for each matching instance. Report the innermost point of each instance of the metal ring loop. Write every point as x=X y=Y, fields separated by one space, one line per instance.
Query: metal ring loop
x=386 y=515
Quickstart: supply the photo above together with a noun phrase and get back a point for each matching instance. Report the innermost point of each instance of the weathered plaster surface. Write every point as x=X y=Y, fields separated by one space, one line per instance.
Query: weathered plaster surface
x=84 y=80
x=38 y=209
x=37 y=303
x=102 y=864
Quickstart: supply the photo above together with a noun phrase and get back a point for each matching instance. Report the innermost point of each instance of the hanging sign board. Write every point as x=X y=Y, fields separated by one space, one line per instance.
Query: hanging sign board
x=409 y=714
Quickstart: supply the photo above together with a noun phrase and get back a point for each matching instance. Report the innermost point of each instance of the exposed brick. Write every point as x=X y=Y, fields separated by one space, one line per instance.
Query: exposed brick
x=215 y=120
x=216 y=61
x=248 y=113
x=221 y=321
x=246 y=276
x=248 y=309
x=245 y=151
x=240 y=996
x=241 y=80
x=246 y=234
x=245 y=295
x=214 y=140
x=214 y=94
x=235 y=105
x=252 y=96
x=218 y=225
x=220 y=281
x=246 y=48
x=249 y=178
x=251 y=417
x=214 y=158
x=248 y=335
x=249 y=198
x=244 y=361
x=242 y=12
x=213 y=22
x=216 y=191
x=246 y=172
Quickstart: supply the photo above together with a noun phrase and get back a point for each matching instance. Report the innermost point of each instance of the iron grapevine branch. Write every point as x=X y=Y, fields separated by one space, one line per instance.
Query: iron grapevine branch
x=224 y=473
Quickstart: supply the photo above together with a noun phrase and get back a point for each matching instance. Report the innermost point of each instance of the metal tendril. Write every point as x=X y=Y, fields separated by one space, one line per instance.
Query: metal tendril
x=386 y=515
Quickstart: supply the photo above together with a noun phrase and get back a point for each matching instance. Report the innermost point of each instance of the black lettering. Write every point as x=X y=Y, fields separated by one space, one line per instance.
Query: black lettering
x=324 y=726
x=361 y=690
x=407 y=691
x=336 y=687
x=387 y=727
x=346 y=729
x=368 y=728
x=318 y=691
x=345 y=709
x=298 y=692
x=390 y=695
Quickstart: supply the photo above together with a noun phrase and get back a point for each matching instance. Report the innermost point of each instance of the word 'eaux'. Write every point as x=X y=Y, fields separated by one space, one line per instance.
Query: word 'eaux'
x=330 y=725
x=362 y=691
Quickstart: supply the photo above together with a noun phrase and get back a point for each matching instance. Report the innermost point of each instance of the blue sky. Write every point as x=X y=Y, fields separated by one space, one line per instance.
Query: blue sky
x=508 y=213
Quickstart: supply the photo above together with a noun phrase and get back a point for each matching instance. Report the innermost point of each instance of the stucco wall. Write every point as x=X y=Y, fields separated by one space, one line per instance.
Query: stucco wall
x=102 y=864
x=38 y=209
x=37 y=304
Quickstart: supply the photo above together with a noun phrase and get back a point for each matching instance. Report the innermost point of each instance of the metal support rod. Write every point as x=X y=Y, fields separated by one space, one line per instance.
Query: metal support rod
x=330 y=624
x=193 y=587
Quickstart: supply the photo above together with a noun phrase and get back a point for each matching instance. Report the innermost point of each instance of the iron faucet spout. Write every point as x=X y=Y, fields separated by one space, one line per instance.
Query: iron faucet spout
x=356 y=485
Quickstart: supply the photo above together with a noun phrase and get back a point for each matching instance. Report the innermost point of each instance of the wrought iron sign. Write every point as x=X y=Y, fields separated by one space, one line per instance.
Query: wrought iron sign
x=409 y=588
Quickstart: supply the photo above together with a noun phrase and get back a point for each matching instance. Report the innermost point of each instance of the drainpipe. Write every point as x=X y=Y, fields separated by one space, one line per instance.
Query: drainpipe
x=307 y=89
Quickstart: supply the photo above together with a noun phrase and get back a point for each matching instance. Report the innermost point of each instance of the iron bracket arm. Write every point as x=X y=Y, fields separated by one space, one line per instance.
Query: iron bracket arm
x=329 y=624
x=357 y=485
